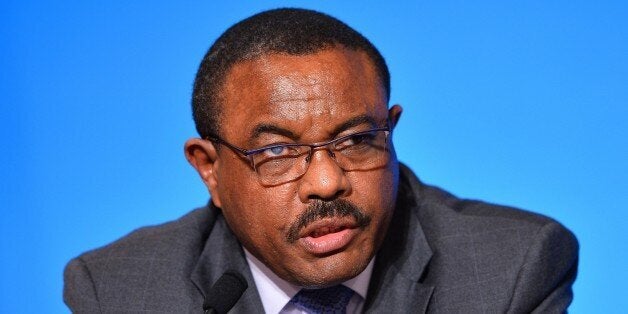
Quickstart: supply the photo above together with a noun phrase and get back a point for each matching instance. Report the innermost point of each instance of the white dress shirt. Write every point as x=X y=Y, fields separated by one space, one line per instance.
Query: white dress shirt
x=276 y=292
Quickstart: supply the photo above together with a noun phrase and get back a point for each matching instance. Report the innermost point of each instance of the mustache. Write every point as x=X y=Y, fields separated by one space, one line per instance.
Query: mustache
x=321 y=209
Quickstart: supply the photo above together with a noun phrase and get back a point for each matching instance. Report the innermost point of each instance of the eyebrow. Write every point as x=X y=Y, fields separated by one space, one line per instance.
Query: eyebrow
x=353 y=122
x=272 y=129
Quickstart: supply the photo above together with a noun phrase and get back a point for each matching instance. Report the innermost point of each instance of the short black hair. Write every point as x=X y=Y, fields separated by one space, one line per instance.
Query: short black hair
x=286 y=30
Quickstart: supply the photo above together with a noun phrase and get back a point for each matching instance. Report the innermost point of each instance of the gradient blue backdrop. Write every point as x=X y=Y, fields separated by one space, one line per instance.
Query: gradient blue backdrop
x=521 y=103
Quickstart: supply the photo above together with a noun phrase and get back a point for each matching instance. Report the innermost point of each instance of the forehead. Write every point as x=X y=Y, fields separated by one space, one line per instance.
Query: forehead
x=310 y=95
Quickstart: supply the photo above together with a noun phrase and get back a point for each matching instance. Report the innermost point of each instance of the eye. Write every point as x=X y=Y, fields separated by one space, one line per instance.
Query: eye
x=279 y=151
x=360 y=139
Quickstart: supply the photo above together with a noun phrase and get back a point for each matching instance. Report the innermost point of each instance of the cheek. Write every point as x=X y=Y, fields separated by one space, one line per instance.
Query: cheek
x=256 y=211
x=280 y=208
x=373 y=190
x=260 y=219
x=376 y=194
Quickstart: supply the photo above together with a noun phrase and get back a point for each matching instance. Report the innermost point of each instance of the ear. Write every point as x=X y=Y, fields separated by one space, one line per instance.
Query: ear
x=394 y=113
x=203 y=157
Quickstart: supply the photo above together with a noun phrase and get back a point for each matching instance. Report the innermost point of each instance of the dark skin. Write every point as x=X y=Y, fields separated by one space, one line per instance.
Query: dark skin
x=280 y=98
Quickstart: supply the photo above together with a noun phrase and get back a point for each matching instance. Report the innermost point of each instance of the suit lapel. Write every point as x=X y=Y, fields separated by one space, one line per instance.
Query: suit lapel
x=223 y=252
x=395 y=284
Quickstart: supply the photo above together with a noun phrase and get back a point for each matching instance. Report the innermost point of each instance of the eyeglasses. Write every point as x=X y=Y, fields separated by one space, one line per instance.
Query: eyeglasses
x=281 y=163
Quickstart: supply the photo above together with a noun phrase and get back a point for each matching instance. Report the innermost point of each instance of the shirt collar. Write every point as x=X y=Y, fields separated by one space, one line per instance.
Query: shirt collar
x=276 y=292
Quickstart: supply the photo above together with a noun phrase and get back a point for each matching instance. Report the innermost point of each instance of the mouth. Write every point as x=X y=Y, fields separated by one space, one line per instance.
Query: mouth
x=328 y=236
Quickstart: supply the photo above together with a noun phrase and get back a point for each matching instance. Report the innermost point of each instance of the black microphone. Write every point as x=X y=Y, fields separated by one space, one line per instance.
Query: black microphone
x=224 y=293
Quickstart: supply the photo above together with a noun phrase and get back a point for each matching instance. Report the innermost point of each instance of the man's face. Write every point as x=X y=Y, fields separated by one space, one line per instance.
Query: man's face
x=279 y=98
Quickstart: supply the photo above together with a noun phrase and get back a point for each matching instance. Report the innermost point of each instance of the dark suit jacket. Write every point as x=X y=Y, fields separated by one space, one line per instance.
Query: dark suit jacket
x=441 y=255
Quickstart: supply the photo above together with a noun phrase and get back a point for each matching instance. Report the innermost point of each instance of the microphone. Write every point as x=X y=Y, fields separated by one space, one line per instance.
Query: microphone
x=225 y=293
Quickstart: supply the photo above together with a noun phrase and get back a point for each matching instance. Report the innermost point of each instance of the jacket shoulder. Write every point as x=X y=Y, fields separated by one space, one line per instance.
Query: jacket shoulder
x=153 y=241
x=492 y=258
x=148 y=268
x=441 y=212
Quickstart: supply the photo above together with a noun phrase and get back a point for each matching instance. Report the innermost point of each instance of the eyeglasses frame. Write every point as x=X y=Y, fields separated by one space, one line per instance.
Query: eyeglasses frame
x=249 y=153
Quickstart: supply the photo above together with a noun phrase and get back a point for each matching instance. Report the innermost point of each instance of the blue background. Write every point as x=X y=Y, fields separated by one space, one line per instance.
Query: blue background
x=522 y=103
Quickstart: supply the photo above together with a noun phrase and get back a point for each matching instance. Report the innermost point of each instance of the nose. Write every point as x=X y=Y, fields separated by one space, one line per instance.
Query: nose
x=324 y=179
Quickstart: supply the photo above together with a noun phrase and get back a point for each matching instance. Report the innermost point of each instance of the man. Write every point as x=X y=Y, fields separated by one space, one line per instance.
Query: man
x=310 y=205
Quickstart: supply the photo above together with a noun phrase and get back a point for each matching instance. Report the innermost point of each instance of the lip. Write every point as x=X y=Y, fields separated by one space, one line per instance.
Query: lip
x=316 y=243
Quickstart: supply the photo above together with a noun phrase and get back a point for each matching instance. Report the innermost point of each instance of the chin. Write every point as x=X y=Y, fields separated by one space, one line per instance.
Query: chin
x=331 y=270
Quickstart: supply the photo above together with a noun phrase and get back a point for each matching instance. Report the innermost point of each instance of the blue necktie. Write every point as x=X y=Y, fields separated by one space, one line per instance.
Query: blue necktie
x=327 y=300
